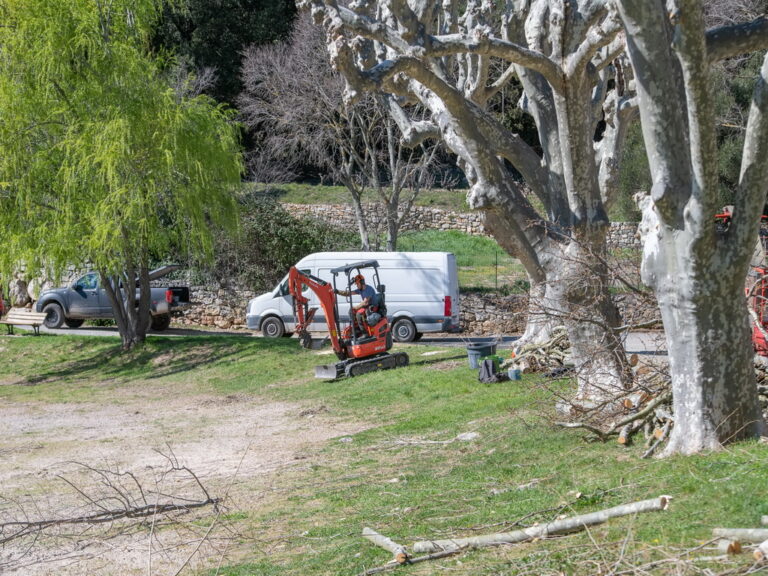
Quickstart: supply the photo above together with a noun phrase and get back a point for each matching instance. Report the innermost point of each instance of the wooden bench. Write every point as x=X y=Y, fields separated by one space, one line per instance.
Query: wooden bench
x=23 y=317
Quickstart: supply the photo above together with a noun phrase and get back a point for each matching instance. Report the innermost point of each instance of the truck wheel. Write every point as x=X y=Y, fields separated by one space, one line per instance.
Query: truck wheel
x=273 y=327
x=160 y=322
x=54 y=315
x=73 y=322
x=404 y=330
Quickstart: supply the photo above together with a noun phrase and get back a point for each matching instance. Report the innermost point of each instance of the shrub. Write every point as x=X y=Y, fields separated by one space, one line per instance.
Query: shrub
x=271 y=240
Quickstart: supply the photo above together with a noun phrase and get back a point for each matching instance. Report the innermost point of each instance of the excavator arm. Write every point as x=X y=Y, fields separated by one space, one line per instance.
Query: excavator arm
x=304 y=314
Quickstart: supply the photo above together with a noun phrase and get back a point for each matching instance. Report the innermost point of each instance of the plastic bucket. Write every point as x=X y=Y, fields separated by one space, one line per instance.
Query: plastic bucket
x=477 y=351
x=515 y=374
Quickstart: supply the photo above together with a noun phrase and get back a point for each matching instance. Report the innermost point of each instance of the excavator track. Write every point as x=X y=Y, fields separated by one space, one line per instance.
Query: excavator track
x=351 y=368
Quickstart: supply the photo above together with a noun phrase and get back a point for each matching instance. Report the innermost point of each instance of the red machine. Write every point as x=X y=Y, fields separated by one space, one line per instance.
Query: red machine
x=757 y=285
x=358 y=353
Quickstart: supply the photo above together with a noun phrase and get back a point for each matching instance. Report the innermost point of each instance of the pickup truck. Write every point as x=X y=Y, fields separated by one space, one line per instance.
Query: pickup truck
x=85 y=299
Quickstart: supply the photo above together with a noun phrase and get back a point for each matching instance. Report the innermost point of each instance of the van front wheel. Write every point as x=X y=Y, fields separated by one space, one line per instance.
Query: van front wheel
x=273 y=327
x=404 y=330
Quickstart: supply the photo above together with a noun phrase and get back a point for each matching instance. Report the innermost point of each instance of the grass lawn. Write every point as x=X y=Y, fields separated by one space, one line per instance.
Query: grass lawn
x=438 y=455
x=298 y=193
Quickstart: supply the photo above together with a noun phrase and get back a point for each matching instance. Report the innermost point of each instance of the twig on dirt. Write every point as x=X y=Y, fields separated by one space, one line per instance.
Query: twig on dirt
x=131 y=506
x=414 y=560
x=216 y=517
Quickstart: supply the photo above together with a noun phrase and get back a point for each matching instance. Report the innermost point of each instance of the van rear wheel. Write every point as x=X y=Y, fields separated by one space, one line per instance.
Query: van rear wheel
x=404 y=330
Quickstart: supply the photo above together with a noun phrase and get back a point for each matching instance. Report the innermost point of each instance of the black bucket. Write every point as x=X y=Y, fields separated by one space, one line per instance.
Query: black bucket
x=476 y=351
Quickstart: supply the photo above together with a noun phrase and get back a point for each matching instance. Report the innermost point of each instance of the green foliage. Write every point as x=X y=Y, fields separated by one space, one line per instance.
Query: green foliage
x=735 y=82
x=505 y=106
x=635 y=177
x=102 y=161
x=214 y=35
x=272 y=241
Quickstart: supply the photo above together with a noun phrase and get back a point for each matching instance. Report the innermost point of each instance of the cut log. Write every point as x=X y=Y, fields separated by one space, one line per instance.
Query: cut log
x=743 y=534
x=761 y=552
x=764 y=520
x=729 y=546
x=399 y=552
x=625 y=435
x=557 y=527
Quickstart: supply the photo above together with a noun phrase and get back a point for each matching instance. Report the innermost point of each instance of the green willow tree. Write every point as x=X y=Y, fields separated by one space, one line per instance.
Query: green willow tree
x=102 y=160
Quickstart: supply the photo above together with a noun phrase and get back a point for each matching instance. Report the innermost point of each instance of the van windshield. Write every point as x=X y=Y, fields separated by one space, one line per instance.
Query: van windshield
x=282 y=288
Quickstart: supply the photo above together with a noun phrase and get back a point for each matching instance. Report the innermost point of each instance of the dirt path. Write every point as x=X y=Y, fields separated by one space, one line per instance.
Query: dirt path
x=231 y=443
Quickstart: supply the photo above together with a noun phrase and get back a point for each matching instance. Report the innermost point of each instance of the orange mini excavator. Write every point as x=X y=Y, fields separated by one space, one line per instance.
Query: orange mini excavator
x=358 y=353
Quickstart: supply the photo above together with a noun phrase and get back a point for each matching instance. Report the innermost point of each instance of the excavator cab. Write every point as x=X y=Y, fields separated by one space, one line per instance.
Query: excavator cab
x=373 y=326
x=361 y=352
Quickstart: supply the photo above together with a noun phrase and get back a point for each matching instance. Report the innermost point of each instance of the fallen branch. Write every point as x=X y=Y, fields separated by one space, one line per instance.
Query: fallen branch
x=399 y=552
x=660 y=436
x=743 y=534
x=626 y=426
x=415 y=560
x=134 y=504
x=557 y=527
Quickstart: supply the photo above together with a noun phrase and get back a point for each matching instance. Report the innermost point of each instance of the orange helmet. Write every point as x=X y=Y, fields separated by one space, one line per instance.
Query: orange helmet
x=359 y=278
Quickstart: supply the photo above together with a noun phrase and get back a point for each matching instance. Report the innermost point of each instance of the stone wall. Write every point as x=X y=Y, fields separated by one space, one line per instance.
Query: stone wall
x=222 y=307
x=621 y=235
x=482 y=314
x=420 y=218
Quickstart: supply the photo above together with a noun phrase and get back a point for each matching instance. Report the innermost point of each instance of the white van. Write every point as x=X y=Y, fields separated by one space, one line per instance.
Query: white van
x=422 y=293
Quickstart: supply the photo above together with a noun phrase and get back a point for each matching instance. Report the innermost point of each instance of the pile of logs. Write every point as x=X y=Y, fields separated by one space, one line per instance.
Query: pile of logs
x=761 y=373
x=647 y=409
x=549 y=356
x=730 y=540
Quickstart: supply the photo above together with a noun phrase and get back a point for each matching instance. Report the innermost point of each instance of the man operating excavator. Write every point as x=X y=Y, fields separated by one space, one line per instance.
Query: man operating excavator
x=357 y=312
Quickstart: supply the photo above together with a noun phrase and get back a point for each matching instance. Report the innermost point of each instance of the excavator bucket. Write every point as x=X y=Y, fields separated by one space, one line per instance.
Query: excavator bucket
x=312 y=343
x=330 y=371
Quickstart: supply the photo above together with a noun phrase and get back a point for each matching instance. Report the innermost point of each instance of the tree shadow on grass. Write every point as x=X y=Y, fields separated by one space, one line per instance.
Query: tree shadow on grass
x=161 y=357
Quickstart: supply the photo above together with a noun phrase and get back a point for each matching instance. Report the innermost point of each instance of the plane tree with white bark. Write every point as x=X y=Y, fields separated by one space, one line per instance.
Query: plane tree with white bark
x=697 y=271
x=452 y=57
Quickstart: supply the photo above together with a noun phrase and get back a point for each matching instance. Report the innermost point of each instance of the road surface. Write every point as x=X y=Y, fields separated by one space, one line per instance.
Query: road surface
x=647 y=342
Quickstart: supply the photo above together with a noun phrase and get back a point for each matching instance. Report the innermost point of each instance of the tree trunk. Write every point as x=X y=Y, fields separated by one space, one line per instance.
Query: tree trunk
x=709 y=344
x=577 y=282
x=362 y=227
x=393 y=226
x=540 y=325
x=126 y=313
x=569 y=287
